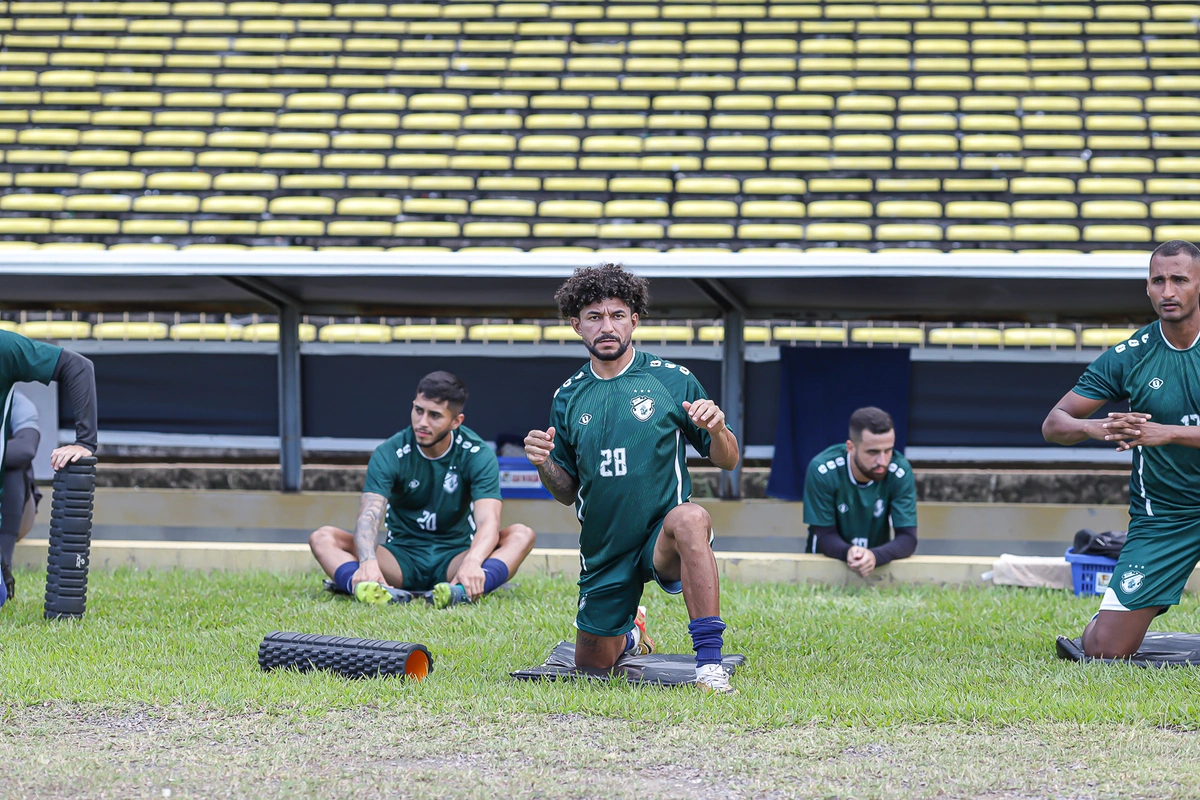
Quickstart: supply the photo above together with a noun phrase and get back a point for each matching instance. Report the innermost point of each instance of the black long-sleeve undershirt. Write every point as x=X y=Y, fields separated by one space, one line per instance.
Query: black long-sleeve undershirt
x=830 y=543
x=78 y=375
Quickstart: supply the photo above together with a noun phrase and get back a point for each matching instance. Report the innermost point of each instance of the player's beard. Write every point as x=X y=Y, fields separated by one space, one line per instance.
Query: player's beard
x=865 y=471
x=620 y=351
x=438 y=440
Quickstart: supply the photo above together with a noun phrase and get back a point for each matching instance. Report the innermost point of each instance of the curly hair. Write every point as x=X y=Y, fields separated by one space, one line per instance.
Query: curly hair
x=592 y=284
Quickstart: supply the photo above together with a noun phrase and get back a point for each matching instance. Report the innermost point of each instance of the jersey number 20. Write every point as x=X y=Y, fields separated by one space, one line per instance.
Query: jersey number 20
x=612 y=462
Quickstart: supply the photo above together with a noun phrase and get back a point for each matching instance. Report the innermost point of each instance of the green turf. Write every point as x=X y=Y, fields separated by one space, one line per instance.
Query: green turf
x=871 y=692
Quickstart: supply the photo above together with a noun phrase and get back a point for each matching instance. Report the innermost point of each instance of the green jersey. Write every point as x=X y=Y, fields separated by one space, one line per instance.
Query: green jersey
x=1163 y=381
x=624 y=439
x=21 y=360
x=864 y=514
x=431 y=500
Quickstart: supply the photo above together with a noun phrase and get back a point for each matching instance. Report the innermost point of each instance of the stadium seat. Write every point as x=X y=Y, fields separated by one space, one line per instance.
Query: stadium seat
x=355 y=333
x=508 y=332
x=559 y=333
x=269 y=332
x=887 y=335
x=1105 y=337
x=1039 y=337
x=968 y=337
x=654 y=332
x=136 y=331
x=809 y=333
x=206 y=331
x=55 y=329
x=752 y=334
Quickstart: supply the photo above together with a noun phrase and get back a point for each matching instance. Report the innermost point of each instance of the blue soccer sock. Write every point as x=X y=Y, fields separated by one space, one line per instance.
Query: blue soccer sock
x=3 y=593
x=342 y=576
x=495 y=573
x=707 y=640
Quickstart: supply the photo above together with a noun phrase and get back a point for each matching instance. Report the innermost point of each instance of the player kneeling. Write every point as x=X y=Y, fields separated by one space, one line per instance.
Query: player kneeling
x=616 y=449
x=440 y=484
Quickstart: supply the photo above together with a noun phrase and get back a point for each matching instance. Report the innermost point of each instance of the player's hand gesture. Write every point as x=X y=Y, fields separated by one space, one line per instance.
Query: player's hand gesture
x=1136 y=430
x=705 y=414
x=538 y=445
x=472 y=578
x=368 y=571
x=68 y=454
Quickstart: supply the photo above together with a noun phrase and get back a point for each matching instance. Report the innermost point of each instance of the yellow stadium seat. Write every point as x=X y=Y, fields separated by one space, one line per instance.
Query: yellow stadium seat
x=1038 y=337
x=636 y=209
x=1116 y=233
x=908 y=232
x=585 y=209
x=429 y=333
x=355 y=332
x=559 y=333
x=1113 y=209
x=772 y=209
x=654 y=332
x=968 y=337
x=507 y=332
x=1045 y=209
x=1105 y=337
x=137 y=331
x=809 y=333
x=55 y=329
x=887 y=335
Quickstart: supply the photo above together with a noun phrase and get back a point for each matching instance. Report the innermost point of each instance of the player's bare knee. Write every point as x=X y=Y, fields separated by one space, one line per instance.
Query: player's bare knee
x=693 y=521
x=525 y=536
x=321 y=537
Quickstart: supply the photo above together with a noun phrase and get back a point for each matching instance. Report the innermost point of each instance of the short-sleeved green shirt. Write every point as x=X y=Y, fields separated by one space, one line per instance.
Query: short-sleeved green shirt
x=21 y=360
x=1164 y=382
x=625 y=440
x=864 y=514
x=431 y=500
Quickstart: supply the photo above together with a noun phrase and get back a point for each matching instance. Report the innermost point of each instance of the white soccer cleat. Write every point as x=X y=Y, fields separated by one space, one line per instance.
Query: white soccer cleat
x=713 y=679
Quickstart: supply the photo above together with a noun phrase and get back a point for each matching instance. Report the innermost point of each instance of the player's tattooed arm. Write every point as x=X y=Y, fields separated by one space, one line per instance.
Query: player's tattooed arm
x=556 y=480
x=366 y=530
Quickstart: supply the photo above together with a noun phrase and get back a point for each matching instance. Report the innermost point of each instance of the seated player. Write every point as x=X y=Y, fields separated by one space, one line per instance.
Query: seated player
x=855 y=493
x=440 y=484
x=616 y=449
x=28 y=360
x=1155 y=370
x=20 y=496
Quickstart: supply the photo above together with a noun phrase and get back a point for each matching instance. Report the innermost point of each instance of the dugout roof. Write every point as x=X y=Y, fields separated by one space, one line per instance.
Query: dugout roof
x=936 y=286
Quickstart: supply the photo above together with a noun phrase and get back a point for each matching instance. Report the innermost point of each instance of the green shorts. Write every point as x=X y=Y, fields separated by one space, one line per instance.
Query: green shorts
x=422 y=568
x=609 y=600
x=1155 y=563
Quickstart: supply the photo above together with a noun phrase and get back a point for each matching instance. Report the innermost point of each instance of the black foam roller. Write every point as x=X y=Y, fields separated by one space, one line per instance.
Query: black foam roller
x=351 y=658
x=70 y=540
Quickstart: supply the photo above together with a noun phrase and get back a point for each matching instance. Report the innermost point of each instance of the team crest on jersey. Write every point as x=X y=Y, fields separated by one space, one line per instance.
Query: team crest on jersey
x=643 y=407
x=451 y=482
x=842 y=507
x=1156 y=383
x=1131 y=581
x=879 y=507
x=414 y=483
x=585 y=419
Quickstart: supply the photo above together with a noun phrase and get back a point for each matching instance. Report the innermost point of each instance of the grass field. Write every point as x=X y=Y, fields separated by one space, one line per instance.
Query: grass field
x=847 y=693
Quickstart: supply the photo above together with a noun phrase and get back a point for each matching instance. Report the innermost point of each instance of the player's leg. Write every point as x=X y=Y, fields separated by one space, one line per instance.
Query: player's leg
x=610 y=623
x=515 y=543
x=1154 y=566
x=334 y=550
x=11 y=507
x=683 y=560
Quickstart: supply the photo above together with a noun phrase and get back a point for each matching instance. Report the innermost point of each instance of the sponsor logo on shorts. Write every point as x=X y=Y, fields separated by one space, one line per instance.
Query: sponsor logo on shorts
x=582 y=601
x=642 y=407
x=585 y=419
x=451 y=482
x=1131 y=581
x=1156 y=383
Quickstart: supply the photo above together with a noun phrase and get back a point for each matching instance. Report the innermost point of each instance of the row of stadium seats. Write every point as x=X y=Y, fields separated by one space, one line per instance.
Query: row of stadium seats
x=1020 y=336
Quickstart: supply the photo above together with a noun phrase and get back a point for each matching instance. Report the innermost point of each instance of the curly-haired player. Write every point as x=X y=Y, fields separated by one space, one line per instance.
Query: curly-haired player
x=615 y=448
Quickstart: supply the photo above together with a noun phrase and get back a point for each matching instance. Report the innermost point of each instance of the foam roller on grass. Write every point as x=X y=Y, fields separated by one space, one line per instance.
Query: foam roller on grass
x=70 y=540
x=351 y=658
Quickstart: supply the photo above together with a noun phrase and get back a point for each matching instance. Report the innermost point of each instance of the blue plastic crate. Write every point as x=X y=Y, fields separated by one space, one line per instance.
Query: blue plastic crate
x=1091 y=574
x=519 y=480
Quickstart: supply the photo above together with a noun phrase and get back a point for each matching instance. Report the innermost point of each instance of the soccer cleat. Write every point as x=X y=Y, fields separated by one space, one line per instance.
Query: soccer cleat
x=713 y=679
x=445 y=595
x=645 y=644
x=376 y=594
x=10 y=583
x=332 y=587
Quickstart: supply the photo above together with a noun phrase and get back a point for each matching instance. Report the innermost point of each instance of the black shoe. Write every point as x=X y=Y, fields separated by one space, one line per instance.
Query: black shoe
x=10 y=582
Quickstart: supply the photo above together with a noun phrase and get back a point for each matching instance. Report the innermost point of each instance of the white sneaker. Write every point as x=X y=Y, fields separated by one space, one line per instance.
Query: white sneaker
x=713 y=679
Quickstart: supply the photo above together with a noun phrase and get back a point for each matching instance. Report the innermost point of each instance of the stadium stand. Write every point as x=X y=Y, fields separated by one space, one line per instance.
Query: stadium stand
x=585 y=126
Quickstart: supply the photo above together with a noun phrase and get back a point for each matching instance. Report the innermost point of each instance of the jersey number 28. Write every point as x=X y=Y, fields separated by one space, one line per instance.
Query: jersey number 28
x=612 y=463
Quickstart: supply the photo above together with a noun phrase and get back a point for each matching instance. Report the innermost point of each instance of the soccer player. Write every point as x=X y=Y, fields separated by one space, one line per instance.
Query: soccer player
x=1158 y=371
x=23 y=359
x=440 y=484
x=855 y=493
x=616 y=449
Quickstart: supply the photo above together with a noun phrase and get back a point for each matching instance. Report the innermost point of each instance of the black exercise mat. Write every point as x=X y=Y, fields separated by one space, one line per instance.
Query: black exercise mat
x=1157 y=650
x=663 y=669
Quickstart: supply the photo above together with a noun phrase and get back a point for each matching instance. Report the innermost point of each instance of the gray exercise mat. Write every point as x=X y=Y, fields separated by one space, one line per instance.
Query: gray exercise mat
x=1157 y=650
x=663 y=669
